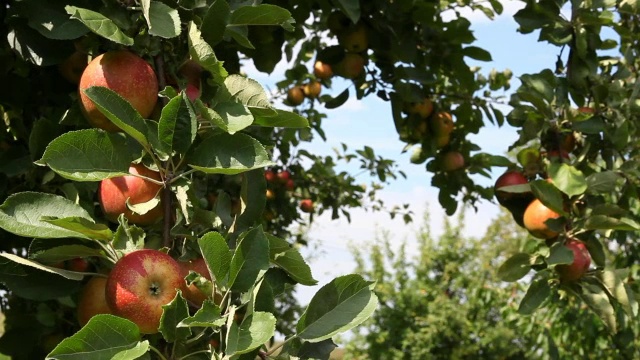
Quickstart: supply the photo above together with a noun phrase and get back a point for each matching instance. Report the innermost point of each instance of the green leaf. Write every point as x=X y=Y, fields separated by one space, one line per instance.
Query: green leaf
x=32 y=283
x=250 y=258
x=613 y=282
x=51 y=20
x=515 y=268
x=596 y=250
x=22 y=214
x=290 y=260
x=559 y=254
x=215 y=22
x=603 y=222
x=596 y=298
x=173 y=314
x=341 y=305
x=50 y=253
x=247 y=92
x=120 y=112
x=71 y=275
x=232 y=117
x=567 y=178
x=229 y=154
x=163 y=21
x=337 y=101
x=203 y=54
x=351 y=8
x=263 y=14
x=252 y=194
x=207 y=316
x=240 y=34
x=549 y=195
x=83 y=226
x=100 y=25
x=602 y=182
x=177 y=126
x=536 y=295
x=103 y=337
x=476 y=53
x=285 y=119
x=255 y=330
x=127 y=237
x=217 y=255
x=88 y=155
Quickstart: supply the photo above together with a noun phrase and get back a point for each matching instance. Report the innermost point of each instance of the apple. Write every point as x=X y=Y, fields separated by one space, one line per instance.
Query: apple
x=351 y=66
x=306 y=205
x=312 y=89
x=284 y=176
x=192 y=92
x=269 y=175
x=580 y=264
x=72 y=67
x=442 y=140
x=322 y=71
x=92 y=300
x=192 y=72
x=442 y=123
x=125 y=73
x=114 y=192
x=452 y=161
x=78 y=264
x=568 y=143
x=586 y=110
x=270 y=195
x=191 y=292
x=290 y=185
x=423 y=108
x=557 y=155
x=295 y=96
x=535 y=217
x=354 y=39
x=509 y=178
x=140 y=283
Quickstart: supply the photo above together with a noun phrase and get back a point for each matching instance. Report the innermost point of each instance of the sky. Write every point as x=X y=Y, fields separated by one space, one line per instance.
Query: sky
x=370 y=122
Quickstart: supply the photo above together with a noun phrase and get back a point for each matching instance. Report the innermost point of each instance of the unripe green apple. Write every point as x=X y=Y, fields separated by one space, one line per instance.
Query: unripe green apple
x=140 y=283
x=125 y=73
x=114 y=192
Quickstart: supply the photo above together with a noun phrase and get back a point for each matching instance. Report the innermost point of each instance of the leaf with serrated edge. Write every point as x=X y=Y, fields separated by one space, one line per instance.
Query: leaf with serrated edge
x=256 y=329
x=250 y=257
x=104 y=336
x=568 y=179
x=163 y=21
x=203 y=54
x=559 y=254
x=88 y=155
x=290 y=260
x=549 y=195
x=596 y=298
x=172 y=314
x=207 y=316
x=612 y=280
x=264 y=14
x=286 y=119
x=247 y=92
x=83 y=226
x=229 y=154
x=99 y=24
x=233 y=116
x=516 y=267
x=538 y=292
x=177 y=126
x=21 y=214
x=339 y=306
x=217 y=255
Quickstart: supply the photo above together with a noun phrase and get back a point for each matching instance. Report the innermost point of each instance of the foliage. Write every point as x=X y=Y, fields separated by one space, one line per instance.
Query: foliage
x=447 y=302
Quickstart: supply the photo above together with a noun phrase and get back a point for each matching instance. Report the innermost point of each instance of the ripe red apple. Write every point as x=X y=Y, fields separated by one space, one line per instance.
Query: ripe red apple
x=354 y=39
x=114 y=192
x=306 y=205
x=125 y=73
x=192 y=92
x=295 y=96
x=284 y=176
x=312 y=89
x=509 y=178
x=191 y=293
x=580 y=264
x=322 y=70
x=557 y=155
x=140 y=283
x=269 y=175
x=78 y=264
x=290 y=185
x=351 y=66
x=442 y=123
x=92 y=300
x=535 y=217
x=452 y=161
x=191 y=71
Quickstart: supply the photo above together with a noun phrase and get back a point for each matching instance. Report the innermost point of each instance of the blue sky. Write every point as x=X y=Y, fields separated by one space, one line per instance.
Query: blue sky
x=369 y=122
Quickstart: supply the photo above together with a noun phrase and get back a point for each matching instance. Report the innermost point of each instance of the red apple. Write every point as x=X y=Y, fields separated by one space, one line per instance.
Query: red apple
x=580 y=264
x=306 y=205
x=284 y=176
x=114 y=192
x=452 y=161
x=269 y=175
x=78 y=264
x=535 y=217
x=442 y=123
x=140 y=283
x=192 y=92
x=509 y=178
x=290 y=185
x=125 y=73
x=92 y=300
x=191 y=292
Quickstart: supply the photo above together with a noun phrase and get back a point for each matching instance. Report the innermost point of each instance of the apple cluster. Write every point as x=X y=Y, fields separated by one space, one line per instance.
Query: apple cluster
x=280 y=183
